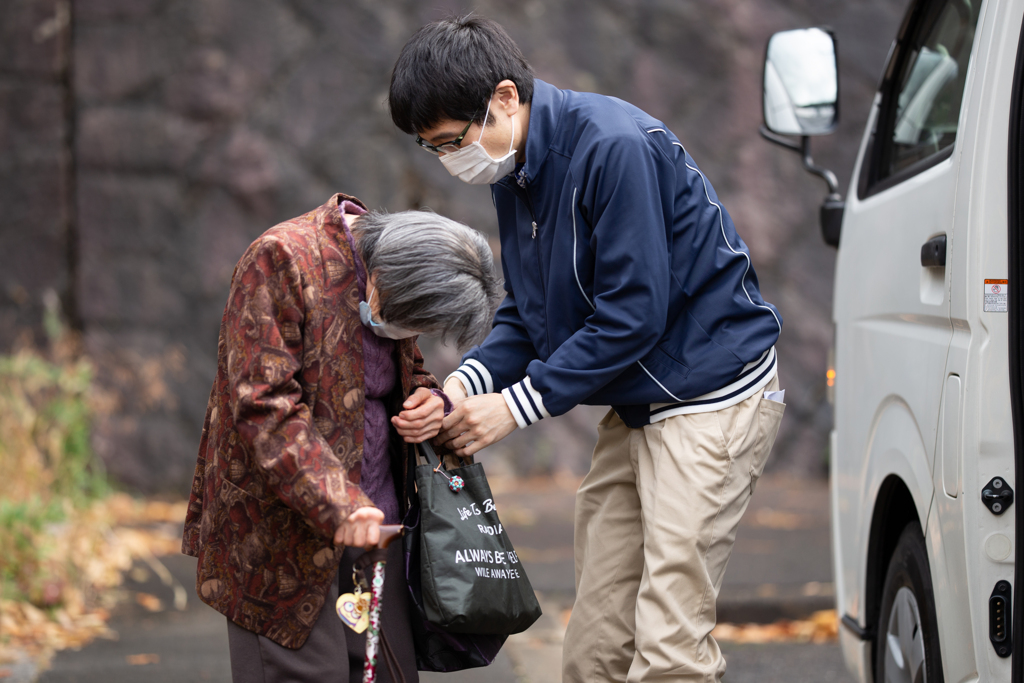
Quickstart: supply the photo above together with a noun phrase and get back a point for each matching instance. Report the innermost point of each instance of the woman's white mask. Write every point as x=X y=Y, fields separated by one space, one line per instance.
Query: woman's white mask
x=381 y=329
x=472 y=164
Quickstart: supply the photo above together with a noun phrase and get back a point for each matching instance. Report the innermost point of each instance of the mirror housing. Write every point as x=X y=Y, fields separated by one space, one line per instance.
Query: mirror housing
x=801 y=83
x=831 y=217
x=801 y=97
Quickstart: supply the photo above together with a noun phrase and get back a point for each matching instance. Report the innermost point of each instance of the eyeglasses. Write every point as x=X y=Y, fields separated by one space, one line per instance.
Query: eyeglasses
x=447 y=147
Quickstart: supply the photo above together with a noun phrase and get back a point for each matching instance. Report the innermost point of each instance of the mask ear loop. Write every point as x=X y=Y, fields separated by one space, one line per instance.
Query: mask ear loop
x=487 y=113
x=369 y=300
x=511 y=143
x=513 y=140
x=373 y=323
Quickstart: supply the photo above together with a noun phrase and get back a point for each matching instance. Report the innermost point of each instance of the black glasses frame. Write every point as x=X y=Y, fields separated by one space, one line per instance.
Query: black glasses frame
x=453 y=144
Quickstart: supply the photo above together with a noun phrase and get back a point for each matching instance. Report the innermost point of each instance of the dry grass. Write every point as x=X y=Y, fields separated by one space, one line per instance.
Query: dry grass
x=89 y=554
x=65 y=541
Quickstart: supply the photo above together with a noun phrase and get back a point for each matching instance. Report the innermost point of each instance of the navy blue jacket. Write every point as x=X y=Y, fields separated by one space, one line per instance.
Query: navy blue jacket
x=626 y=282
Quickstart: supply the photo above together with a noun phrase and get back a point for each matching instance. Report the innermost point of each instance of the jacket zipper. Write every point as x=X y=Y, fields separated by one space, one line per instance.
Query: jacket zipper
x=521 y=182
x=524 y=196
x=540 y=269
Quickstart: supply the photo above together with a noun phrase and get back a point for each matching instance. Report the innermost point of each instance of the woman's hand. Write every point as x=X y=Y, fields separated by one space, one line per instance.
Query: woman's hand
x=477 y=422
x=361 y=529
x=421 y=419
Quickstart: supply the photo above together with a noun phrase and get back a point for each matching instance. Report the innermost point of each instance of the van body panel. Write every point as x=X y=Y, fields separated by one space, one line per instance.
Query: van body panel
x=922 y=380
x=949 y=584
x=961 y=639
x=890 y=324
x=856 y=654
x=841 y=486
x=979 y=352
x=922 y=391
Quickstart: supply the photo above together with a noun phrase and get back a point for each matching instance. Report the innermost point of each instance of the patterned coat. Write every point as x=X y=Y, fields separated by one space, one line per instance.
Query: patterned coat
x=282 y=445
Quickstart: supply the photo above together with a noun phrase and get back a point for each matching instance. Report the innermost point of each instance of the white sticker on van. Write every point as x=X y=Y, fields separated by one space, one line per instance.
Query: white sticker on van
x=996 y=292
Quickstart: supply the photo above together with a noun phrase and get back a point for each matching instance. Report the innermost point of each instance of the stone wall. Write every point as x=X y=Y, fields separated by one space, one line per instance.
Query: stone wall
x=36 y=175
x=147 y=142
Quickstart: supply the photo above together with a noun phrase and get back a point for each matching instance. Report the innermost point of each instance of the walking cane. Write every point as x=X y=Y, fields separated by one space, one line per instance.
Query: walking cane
x=354 y=605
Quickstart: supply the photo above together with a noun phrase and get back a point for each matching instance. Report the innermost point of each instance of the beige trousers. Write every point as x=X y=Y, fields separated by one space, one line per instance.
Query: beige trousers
x=656 y=519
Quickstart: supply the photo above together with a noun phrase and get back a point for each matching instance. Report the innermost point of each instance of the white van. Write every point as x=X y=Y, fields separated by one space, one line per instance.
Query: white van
x=929 y=416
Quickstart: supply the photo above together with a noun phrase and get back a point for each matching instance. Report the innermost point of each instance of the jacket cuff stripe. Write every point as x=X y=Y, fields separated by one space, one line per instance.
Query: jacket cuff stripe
x=524 y=399
x=515 y=408
x=467 y=382
x=482 y=372
x=535 y=398
x=529 y=410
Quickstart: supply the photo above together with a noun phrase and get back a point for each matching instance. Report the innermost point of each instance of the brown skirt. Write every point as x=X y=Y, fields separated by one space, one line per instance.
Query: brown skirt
x=333 y=652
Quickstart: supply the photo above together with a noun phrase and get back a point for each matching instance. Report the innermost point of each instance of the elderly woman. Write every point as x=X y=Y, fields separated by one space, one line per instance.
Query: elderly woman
x=299 y=464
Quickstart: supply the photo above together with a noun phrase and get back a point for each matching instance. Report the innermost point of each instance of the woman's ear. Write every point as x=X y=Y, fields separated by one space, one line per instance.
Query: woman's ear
x=507 y=97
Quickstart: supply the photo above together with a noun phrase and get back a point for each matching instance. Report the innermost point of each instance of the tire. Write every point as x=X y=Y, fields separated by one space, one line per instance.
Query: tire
x=907 y=646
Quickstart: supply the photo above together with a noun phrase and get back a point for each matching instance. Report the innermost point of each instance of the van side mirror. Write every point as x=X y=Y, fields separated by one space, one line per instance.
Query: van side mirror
x=801 y=83
x=801 y=97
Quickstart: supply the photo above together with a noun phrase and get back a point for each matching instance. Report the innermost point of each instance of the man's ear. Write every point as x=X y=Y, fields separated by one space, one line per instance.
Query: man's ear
x=507 y=97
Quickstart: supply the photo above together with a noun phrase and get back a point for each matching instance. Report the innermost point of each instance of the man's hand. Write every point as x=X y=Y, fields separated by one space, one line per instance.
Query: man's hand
x=361 y=529
x=421 y=419
x=454 y=389
x=477 y=422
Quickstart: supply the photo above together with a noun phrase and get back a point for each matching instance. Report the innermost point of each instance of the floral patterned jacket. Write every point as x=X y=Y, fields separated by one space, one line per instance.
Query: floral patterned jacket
x=282 y=445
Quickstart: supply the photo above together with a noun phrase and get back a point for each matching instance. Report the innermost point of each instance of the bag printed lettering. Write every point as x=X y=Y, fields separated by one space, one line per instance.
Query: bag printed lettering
x=472 y=579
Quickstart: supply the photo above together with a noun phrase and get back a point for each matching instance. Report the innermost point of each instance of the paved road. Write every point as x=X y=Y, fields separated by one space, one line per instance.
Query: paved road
x=780 y=566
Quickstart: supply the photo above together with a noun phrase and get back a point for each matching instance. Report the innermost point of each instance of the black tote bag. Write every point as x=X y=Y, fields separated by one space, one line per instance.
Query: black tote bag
x=471 y=579
x=437 y=650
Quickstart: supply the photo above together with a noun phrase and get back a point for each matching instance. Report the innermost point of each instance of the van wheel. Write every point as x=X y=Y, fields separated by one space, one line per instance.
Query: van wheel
x=907 y=649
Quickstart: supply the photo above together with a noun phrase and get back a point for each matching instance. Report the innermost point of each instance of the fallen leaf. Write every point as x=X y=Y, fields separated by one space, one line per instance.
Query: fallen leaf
x=160 y=511
x=768 y=518
x=139 y=574
x=142 y=659
x=92 y=552
x=149 y=602
x=821 y=627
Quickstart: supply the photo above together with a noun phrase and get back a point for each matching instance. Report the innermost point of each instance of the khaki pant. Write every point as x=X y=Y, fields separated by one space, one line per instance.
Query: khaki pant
x=656 y=519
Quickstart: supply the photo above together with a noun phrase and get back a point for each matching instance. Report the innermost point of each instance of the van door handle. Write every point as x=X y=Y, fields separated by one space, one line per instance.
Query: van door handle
x=933 y=252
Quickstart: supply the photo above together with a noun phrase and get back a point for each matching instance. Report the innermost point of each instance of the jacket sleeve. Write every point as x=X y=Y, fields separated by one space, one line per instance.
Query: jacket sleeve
x=502 y=359
x=619 y=198
x=264 y=358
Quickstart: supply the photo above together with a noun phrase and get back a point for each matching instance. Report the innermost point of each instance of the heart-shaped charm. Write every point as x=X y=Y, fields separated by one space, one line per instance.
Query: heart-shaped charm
x=354 y=611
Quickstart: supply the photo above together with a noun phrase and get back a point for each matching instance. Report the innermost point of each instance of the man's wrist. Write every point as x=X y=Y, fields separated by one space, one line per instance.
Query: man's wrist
x=525 y=403
x=453 y=387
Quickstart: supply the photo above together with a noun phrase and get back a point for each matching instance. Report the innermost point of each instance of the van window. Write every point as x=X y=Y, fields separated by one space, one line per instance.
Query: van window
x=922 y=109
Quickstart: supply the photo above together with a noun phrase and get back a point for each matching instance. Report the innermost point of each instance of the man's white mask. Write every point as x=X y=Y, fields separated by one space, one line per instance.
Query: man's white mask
x=472 y=164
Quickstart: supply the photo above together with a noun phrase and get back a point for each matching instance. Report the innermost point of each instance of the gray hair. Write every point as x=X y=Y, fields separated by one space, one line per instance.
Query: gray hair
x=433 y=274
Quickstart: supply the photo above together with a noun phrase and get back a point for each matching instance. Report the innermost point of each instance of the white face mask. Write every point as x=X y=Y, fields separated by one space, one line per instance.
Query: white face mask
x=472 y=164
x=381 y=329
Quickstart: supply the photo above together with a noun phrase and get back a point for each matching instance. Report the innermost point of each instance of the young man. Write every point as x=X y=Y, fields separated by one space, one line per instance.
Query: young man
x=628 y=286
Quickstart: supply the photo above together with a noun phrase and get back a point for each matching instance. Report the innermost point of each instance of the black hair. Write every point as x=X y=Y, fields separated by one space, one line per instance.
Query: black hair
x=448 y=70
